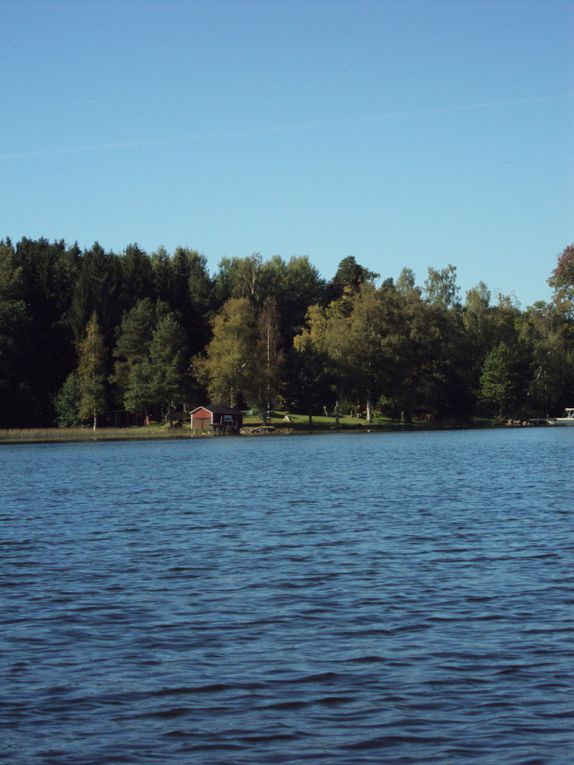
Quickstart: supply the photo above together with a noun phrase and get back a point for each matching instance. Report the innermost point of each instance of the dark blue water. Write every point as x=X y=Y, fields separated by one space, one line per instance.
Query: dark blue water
x=342 y=599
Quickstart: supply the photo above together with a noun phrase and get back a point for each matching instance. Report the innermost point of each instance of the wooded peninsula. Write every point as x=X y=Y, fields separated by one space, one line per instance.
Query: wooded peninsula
x=86 y=333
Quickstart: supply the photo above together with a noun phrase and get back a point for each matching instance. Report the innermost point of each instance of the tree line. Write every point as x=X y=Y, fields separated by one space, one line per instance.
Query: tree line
x=85 y=332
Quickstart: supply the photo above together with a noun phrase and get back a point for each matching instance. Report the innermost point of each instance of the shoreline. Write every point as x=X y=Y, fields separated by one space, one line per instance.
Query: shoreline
x=14 y=436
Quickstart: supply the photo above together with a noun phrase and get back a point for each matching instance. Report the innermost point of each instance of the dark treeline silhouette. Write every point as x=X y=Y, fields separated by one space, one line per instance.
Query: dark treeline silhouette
x=84 y=334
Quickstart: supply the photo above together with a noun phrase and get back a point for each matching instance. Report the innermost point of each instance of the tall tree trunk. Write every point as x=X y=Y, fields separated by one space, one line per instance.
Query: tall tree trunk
x=268 y=391
x=94 y=386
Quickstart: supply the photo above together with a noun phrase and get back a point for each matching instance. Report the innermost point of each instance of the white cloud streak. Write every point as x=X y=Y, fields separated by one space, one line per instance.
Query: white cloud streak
x=285 y=128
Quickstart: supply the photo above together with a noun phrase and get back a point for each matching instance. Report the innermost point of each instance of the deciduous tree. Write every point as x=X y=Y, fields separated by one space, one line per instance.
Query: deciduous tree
x=270 y=356
x=92 y=373
x=548 y=376
x=67 y=402
x=440 y=287
x=309 y=387
x=227 y=369
x=497 y=382
x=562 y=282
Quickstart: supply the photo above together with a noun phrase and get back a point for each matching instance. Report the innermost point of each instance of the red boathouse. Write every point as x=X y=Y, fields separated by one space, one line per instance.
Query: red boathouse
x=216 y=419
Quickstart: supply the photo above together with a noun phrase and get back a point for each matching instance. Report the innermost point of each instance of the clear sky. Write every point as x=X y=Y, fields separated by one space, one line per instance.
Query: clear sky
x=403 y=132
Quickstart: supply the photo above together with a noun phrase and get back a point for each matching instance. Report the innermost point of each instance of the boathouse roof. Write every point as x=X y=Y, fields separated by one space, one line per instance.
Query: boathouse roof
x=217 y=409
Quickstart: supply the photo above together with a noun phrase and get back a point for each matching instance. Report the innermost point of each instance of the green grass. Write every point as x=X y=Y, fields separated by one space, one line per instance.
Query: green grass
x=320 y=422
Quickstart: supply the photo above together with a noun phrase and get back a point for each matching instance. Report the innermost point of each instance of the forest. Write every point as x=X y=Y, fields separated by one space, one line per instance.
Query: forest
x=86 y=333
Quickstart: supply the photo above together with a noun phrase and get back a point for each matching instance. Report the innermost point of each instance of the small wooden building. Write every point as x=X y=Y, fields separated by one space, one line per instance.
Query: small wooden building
x=216 y=419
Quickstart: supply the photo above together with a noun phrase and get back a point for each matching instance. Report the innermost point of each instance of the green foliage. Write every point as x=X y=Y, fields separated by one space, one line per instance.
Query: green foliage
x=264 y=330
x=138 y=393
x=92 y=373
x=549 y=376
x=240 y=278
x=562 y=282
x=42 y=279
x=295 y=285
x=440 y=287
x=350 y=276
x=228 y=369
x=136 y=275
x=133 y=341
x=16 y=347
x=68 y=401
x=406 y=282
x=152 y=360
x=168 y=363
x=190 y=296
x=497 y=381
x=98 y=288
x=301 y=288
x=309 y=386
x=270 y=357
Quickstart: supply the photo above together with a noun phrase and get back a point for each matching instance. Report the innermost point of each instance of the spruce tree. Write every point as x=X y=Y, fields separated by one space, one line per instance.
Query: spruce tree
x=168 y=362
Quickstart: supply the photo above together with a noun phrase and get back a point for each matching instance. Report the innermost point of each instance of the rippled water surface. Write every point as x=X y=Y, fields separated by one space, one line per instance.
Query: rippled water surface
x=381 y=598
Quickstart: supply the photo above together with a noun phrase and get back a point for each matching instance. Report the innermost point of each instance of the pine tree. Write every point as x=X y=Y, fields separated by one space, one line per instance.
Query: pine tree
x=134 y=338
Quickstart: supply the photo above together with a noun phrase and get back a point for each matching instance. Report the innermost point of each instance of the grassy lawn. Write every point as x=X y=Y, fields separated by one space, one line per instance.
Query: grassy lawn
x=320 y=422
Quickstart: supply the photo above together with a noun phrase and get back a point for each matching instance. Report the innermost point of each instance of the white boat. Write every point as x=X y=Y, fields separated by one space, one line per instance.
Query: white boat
x=568 y=418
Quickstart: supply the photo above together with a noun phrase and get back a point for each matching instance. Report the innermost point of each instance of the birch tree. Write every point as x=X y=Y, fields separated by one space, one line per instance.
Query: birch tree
x=92 y=373
x=270 y=354
x=228 y=368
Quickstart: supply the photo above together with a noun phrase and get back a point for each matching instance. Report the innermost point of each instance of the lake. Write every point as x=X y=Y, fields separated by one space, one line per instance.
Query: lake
x=334 y=599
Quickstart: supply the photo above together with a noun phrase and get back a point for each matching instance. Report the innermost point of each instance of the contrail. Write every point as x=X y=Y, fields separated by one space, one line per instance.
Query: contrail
x=285 y=128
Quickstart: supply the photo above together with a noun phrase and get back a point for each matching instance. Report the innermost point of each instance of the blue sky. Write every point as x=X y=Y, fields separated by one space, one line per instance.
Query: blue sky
x=404 y=132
